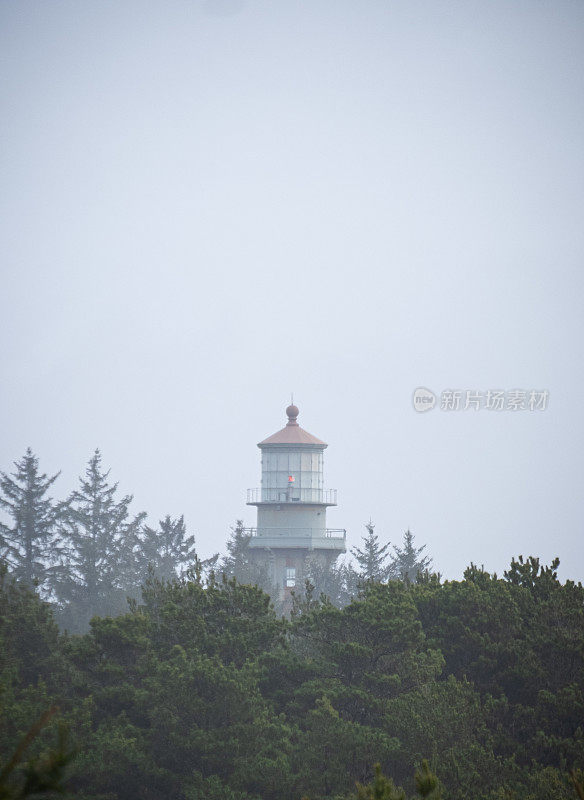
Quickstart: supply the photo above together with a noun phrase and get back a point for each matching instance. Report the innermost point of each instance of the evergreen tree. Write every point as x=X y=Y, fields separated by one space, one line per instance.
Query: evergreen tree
x=28 y=640
x=337 y=581
x=372 y=559
x=239 y=564
x=168 y=550
x=380 y=788
x=31 y=545
x=103 y=542
x=408 y=560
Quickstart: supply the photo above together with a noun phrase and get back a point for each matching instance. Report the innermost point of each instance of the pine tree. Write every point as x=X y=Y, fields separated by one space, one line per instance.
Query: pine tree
x=380 y=788
x=372 y=559
x=238 y=563
x=31 y=545
x=408 y=560
x=103 y=543
x=169 y=550
x=337 y=581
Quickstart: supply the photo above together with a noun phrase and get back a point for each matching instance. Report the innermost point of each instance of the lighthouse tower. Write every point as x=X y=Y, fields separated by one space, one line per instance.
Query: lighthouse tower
x=291 y=506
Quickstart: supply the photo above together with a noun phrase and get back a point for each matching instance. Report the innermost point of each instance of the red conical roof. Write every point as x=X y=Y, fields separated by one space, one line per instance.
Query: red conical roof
x=292 y=433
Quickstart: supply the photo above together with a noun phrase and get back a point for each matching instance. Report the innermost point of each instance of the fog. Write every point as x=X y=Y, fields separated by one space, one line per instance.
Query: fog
x=206 y=206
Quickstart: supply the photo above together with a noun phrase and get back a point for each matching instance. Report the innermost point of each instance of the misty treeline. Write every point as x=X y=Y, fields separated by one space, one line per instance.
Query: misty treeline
x=88 y=553
x=462 y=689
x=339 y=581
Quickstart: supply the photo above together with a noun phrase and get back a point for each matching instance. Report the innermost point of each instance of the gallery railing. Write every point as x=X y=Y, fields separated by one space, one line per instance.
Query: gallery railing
x=308 y=533
x=292 y=495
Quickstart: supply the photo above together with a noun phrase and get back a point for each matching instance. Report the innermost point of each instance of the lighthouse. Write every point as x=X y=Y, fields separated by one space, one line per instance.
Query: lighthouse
x=291 y=507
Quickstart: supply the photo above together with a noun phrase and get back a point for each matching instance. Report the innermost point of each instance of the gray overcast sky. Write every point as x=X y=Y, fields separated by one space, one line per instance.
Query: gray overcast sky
x=207 y=205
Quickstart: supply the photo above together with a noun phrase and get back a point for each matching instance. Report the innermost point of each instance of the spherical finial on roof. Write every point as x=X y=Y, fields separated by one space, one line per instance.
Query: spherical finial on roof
x=292 y=412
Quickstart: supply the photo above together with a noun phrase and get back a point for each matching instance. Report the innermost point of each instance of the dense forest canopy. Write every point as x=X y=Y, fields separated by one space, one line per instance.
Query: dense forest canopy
x=200 y=688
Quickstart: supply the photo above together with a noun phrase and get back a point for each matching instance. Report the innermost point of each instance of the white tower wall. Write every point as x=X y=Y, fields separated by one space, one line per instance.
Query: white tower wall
x=291 y=505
